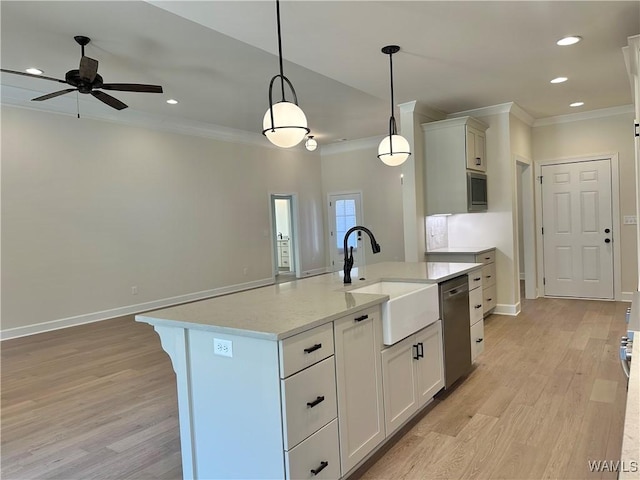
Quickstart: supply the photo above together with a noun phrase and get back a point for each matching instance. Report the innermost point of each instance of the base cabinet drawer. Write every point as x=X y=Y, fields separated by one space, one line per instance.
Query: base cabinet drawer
x=308 y=401
x=489 y=301
x=477 y=339
x=489 y=275
x=318 y=457
x=475 y=305
x=305 y=349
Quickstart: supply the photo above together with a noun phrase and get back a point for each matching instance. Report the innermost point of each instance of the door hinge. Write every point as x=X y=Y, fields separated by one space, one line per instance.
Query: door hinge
x=332 y=234
x=330 y=204
x=637 y=129
x=544 y=281
x=540 y=178
x=543 y=230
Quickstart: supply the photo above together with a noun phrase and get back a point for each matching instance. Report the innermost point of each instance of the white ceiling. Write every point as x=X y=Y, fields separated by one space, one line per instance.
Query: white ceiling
x=217 y=58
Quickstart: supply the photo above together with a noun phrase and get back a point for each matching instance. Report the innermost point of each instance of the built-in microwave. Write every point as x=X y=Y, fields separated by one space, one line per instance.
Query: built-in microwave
x=476 y=192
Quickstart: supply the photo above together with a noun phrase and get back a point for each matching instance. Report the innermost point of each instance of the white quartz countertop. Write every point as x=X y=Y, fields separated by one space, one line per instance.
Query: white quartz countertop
x=630 y=454
x=280 y=311
x=474 y=250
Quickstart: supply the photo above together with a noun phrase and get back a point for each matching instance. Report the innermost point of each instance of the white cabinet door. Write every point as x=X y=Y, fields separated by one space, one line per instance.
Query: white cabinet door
x=430 y=366
x=358 y=342
x=475 y=150
x=399 y=383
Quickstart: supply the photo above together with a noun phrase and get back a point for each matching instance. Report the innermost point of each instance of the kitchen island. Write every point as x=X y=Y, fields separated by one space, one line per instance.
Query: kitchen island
x=265 y=377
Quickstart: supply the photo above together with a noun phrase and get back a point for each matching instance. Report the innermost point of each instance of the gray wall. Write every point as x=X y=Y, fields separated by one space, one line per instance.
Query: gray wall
x=92 y=208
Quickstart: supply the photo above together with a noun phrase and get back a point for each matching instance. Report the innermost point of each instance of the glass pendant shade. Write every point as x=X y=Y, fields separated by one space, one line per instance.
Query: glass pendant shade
x=289 y=124
x=311 y=143
x=401 y=150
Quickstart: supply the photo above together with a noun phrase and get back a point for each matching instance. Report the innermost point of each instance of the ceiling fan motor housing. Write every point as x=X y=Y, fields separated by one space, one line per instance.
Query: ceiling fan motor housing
x=72 y=77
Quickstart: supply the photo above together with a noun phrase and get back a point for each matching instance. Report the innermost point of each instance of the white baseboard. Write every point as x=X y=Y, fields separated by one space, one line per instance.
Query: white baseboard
x=315 y=271
x=128 y=310
x=507 y=309
x=626 y=297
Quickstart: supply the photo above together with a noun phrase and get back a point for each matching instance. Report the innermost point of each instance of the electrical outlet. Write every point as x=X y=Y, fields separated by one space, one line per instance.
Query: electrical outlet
x=630 y=220
x=223 y=347
x=134 y=290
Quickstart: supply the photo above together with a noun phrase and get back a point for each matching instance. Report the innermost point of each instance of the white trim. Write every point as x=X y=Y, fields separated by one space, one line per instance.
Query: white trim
x=615 y=212
x=129 y=310
x=484 y=111
x=351 y=145
x=293 y=236
x=626 y=297
x=507 y=309
x=421 y=109
x=140 y=119
x=522 y=114
x=591 y=114
x=315 y=271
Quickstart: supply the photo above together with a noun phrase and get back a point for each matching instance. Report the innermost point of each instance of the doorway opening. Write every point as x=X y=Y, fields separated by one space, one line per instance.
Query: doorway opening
x=345 y=211
x=526 y=227
x=284 y=237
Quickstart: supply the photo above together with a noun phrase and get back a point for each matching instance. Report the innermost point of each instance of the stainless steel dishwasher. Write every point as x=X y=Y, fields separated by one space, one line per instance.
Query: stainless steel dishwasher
x=454 y=313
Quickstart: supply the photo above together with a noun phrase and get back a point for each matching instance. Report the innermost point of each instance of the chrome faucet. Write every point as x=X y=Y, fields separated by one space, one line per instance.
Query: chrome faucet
x=348 y=257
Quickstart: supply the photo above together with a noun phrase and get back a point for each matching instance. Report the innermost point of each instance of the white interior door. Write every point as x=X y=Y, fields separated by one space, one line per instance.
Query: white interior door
x=345 y=211
x=577 y=229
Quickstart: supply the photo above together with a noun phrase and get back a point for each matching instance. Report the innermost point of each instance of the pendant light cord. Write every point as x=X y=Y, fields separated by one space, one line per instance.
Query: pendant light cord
x=280 y=48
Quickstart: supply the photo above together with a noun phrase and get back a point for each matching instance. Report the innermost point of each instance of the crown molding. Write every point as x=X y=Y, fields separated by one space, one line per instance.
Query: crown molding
x=509 y=107
x=352 y=145
x=19 y=98
x=591 y=114
x=414 y=106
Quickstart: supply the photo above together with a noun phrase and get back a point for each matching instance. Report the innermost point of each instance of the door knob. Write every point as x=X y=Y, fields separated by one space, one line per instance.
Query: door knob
x=606 y=230
x=607 y=240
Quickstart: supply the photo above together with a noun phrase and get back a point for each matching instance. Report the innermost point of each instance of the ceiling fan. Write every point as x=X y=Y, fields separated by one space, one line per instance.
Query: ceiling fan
x=87 y=80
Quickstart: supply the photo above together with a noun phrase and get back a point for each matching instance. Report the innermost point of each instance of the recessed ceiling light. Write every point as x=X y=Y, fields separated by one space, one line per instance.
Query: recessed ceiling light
x=568 y=40
x=171 y=101
x=576 y=104
x=34 y=71
x=559 y=80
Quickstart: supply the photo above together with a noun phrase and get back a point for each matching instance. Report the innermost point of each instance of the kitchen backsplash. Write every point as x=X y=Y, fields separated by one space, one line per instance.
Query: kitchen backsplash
x=437 y=232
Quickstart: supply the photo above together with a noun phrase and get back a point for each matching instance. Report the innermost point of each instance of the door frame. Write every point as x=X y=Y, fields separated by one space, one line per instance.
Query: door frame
x=615 y=214
x=330 y=240
x=529 y=227
x=295 y=231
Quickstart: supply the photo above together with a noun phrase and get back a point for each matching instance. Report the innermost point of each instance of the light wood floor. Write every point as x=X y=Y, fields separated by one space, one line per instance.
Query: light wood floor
x=548 y=394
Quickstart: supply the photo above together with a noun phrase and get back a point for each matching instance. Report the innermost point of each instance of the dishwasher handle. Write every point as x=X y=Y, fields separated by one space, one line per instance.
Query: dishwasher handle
x=454 y=292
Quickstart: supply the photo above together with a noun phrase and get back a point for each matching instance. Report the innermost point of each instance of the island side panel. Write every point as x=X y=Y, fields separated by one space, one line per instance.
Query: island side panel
x=235 y=408
x=174 y=342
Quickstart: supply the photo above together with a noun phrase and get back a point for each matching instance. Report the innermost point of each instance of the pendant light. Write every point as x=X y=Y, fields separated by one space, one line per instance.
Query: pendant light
x=393 y=149
x=311 y=144
x=284 y=124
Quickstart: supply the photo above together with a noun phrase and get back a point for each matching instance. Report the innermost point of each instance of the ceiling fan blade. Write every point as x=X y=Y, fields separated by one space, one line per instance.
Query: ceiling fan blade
x=88 y=69
x=32 y=75
x=132 y=87
x=109 y=100
x=53 y=95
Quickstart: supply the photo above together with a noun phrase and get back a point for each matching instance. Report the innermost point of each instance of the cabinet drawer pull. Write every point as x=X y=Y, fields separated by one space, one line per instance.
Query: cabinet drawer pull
x=487 y=258
x=421 y=350
x=363 y=317
x=315 y=402
x=416 y=355
x=479 y=340
x=488 y=276
x=322 y=466
x=477 y=279
x=479 y=306
x=313 y=349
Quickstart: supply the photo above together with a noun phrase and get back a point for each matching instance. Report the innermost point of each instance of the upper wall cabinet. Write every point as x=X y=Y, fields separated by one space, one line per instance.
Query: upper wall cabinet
x=455 y=162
